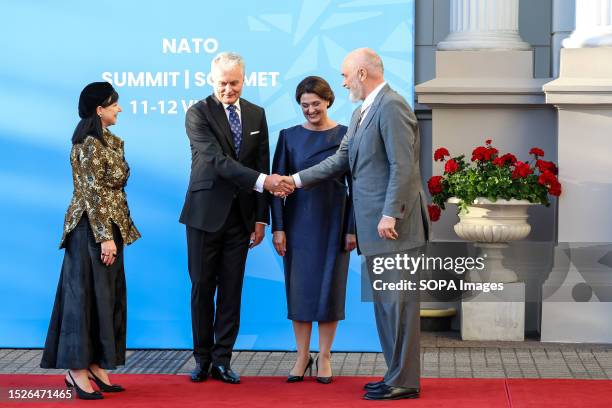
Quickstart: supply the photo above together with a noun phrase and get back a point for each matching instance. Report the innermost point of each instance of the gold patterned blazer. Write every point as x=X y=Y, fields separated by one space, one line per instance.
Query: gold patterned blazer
x=99 y=175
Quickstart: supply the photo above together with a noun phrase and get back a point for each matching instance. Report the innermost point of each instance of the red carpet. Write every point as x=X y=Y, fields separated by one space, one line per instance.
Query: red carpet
x=560 y=393
x=176 y=391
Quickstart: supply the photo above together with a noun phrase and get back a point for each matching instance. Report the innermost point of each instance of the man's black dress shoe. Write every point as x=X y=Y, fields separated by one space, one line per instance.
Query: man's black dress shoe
x=387 y=392
x=371 y=386
x=200 y=373
x=224 y=374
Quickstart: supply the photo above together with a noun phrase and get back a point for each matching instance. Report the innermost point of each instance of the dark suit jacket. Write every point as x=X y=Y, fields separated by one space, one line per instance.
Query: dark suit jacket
x=217 y=174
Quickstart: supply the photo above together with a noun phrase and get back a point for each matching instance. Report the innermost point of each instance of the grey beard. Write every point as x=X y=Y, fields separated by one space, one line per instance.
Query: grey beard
x=352 y=97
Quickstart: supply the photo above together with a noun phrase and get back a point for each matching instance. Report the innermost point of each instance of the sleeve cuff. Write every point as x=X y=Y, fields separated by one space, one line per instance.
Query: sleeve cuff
x=297 y=180
x=259 y=184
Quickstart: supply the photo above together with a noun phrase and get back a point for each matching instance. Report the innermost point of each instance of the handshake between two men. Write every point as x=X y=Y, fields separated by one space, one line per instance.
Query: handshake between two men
x=280 y=186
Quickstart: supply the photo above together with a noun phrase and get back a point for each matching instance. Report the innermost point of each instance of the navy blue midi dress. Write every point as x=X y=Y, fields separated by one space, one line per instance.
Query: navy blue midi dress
x=315 y=221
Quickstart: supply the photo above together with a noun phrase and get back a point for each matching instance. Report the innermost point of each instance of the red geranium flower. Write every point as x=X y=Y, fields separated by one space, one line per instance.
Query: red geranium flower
x=547 y=178
x=509 y=158
x=478 y=153
x=555 y=189
x=490 y=153
x=451 y=166
x=434 y=212
x=441 y=153
x=506 y=158
x=536 y=151
x=544 y=165
x=435 y=185
x=482 y=153
x=521 y=170
x=488 y=142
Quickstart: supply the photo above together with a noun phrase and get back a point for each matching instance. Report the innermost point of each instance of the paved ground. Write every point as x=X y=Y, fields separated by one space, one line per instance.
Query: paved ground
x=442 y=355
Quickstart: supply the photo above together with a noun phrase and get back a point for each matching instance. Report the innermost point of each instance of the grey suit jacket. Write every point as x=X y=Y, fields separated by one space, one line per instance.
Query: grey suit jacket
x=383 y=157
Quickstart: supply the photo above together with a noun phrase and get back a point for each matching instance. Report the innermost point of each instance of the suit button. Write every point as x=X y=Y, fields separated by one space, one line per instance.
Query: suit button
x=354 y=177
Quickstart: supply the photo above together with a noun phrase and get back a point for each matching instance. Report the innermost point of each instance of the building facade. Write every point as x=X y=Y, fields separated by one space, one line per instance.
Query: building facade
x=528 y=73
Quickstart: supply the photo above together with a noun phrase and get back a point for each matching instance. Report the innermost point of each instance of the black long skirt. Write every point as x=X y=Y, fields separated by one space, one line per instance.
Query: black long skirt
x=88 y=322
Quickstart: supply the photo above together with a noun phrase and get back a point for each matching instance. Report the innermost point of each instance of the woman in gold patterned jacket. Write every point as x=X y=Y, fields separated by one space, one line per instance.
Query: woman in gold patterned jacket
x=88 y=324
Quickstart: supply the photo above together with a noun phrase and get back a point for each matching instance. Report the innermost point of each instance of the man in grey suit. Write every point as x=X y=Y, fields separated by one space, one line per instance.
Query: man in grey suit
x=381 y=149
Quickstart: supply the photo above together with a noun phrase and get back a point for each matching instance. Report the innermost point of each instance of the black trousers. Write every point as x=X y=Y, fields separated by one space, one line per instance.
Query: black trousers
x=216 y=264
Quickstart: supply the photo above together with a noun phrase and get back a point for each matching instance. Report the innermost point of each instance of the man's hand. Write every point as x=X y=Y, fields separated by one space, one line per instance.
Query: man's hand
x=386 y=228
x=257 y=235
x=289 y=182
x=279 y=185
x=280 y=242
x=350 y=242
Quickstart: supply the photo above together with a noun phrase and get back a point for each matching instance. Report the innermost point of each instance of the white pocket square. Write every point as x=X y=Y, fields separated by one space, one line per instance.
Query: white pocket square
x=254 y=133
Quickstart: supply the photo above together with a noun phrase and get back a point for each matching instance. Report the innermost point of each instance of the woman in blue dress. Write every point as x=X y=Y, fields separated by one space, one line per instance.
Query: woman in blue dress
x=313 y=229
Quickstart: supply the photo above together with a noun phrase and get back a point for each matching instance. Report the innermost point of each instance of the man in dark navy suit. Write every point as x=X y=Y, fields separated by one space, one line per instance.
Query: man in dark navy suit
x=225 y=211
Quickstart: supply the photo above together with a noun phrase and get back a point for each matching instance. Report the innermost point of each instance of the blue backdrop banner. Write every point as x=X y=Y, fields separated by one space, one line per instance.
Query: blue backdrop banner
x=157 y=55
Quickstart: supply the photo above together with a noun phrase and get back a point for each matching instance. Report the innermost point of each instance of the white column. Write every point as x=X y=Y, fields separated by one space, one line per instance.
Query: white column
x=593 y=25
x=484 y=25
x=563 y=23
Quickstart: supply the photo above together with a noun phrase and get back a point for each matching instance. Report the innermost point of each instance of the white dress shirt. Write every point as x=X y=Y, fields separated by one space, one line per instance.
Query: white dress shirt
x=369 y=100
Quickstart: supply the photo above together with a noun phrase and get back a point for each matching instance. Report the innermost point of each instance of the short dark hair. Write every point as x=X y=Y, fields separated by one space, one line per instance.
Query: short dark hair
x=317 y=86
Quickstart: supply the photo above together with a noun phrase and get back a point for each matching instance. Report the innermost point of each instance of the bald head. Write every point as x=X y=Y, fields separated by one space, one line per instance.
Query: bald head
x=363 y=71
x=367 y=59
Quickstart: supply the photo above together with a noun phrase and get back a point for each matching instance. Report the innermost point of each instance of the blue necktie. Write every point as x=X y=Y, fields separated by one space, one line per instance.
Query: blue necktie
x=236 y=127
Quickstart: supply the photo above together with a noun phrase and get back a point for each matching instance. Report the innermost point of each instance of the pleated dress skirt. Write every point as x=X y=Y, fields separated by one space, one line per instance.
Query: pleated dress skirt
x=89 y=318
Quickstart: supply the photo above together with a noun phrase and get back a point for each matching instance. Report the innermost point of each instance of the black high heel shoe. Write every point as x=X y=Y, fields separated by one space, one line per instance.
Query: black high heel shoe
x=81 y=393
x=103 y=386
x=322 y=380
x=298 y=378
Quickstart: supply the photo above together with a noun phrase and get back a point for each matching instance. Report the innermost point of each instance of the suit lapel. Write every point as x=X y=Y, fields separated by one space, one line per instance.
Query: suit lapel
x=364 y=123
x=351 y=134
x=218 y=113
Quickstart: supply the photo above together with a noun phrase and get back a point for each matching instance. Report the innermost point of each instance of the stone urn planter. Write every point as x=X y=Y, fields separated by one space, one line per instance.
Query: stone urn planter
x=494 y=309
x=491 y=225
